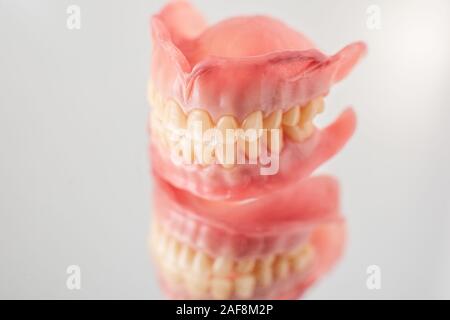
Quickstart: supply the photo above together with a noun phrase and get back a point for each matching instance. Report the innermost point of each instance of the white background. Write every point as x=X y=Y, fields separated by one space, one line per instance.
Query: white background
x=74 y=182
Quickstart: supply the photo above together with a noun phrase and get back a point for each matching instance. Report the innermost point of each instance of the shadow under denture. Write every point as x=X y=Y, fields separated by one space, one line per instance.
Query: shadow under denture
x=189 y=273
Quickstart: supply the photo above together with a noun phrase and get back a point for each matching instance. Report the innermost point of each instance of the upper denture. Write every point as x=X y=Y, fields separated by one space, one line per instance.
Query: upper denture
x=240 y=65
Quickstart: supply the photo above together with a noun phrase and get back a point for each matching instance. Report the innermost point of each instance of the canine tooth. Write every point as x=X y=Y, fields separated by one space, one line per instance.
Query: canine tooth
x=221 y=288
x=281 y=268
x=226 y=148
x=273 y=121
x=299 y=134
x=202 y=263
x=312 y=108
x=291 y=117
x=245 y=266
x=196 y=286
x=245 y=286
x=253 y=121
x=222 y=266
x=185 y=258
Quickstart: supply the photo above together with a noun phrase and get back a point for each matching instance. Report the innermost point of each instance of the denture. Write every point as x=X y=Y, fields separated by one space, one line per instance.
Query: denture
x=233 y=144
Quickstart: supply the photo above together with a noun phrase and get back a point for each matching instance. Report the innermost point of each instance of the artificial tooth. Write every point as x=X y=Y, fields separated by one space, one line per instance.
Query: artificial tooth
x=252 y=127
x=173 y=248
x=303 y=260
x=185 y=258
x=245 y=286
x=221 y=288
x=201 y=263
x=263 y=274
x=274 y=141
x=175 y=122
x=226 y=147
x=245 y=266
x=196 y=286
x=222 y=266
x=299 y=134
x=253 y=121
x=281 y=268
x=312 y=108
x=198 y=122
x=273 y=121
x=291 y=117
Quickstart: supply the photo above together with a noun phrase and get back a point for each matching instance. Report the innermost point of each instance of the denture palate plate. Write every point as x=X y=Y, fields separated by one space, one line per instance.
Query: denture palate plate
x=203 y=276
x=171 y=124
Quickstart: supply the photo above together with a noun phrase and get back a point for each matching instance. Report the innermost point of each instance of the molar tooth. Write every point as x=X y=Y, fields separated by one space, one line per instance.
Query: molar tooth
x=299 y=134
x=281 y=267
x=221 y=288
x=222 y=266
x=245 y=286
x=245 y=265
x=226 y=148
x=201 y=264
x=303 y=259
x=312 y=108
x=291 y=117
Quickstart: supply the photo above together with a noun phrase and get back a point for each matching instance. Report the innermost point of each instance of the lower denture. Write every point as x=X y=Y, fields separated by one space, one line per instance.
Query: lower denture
x=222 y=228
x=241 y=249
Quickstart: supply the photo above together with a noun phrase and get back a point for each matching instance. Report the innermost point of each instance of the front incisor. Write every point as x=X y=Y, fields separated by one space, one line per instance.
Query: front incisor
x=198 y=122
x=226 y=148
x=253 y=122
